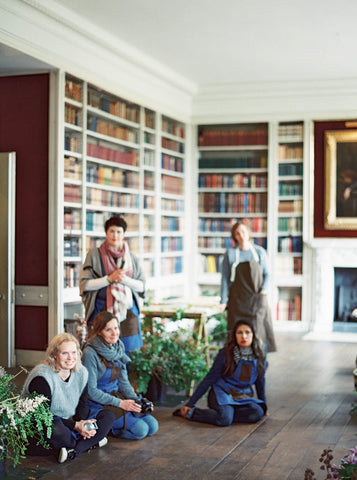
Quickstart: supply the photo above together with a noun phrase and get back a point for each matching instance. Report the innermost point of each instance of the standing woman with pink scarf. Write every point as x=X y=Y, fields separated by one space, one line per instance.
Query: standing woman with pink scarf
x=111 y=279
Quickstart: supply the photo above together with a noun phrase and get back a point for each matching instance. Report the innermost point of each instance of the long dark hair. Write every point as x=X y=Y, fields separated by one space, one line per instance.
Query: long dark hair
x=100 y=322
x=257 y=347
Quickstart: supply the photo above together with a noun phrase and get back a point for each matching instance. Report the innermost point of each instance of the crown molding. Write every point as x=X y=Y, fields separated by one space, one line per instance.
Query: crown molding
x=276 y=100
x=59 y=37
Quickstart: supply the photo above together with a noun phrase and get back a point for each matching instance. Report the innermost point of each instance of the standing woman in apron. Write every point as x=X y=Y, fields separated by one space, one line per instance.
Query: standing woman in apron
x=237 y=367
x=244 y=284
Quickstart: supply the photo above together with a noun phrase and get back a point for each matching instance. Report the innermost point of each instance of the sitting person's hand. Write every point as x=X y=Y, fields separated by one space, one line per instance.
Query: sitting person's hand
x=184 y=410
x=82 y=430
x=130 y=406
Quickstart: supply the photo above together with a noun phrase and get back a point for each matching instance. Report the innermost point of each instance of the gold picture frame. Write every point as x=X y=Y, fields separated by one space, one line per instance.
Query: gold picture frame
x=340 y=211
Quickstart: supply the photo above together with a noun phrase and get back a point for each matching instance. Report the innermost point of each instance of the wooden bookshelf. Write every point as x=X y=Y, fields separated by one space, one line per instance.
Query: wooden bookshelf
x=232 y=186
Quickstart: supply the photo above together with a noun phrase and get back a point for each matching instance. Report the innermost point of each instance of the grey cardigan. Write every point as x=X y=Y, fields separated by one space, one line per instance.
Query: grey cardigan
x=92 y=268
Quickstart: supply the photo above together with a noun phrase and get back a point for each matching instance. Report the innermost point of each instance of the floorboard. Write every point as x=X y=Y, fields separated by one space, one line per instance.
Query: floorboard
x=310 y=390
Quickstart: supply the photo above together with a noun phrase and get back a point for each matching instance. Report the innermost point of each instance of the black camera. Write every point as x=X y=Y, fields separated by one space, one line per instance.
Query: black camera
x=91 y=426
x=145 y=405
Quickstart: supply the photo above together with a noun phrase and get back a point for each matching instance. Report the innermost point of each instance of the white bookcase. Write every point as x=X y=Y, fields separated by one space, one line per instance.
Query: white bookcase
x=120 y=158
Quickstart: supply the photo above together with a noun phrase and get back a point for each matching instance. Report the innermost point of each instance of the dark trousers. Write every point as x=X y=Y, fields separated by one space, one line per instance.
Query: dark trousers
x=62 y=436
x=224 y=415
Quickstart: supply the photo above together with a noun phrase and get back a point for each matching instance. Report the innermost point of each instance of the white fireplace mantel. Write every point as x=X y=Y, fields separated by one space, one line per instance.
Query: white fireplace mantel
x=326 y=255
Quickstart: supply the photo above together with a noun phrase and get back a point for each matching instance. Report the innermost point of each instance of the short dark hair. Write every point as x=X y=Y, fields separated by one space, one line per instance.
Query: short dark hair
x=117 y=221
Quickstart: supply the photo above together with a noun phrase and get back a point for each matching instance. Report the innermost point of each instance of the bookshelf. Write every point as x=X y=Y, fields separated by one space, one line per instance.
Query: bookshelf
x=120 y=157
x=232 y=186
x=288 y=255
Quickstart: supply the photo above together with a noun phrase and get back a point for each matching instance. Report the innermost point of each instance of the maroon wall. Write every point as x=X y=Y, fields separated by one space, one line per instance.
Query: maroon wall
x=319 y=181
x=24 y=120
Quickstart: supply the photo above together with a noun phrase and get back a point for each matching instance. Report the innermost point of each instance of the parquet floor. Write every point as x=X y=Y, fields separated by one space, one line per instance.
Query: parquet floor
x=310 y=390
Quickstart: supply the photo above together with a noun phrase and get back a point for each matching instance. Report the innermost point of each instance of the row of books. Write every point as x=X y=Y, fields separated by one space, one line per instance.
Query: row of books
x=171 y=244
x=95 y=242
x=211 y=263
x=72 y=168
x=214 y=242
x=233 y=136
x=104 y=198
x=289 y=224
x=72 y=247
x=289 y=309
x=172 y=205
x=172 y=185
x=149 y=138
x=238 y=162
x=113 y=105
x=73 y=89
x=149 y=202
x=148 y=267
x=232 y=202
x=290 y=169
x=286 y=265
x=127 y=157
x=172 y=127
x=171 y=265
x=148 y=244
x=72 y=193
x=290 y=152
x=173 y=145
x=113 y=177
x=290 y=206
x=72 y=219
x=149 y=118
x=71 y=114
x=104 y=127
x=72 y=142
x=71 y=274
x=149 y=223
x=290 y=130
x=290 y=244
x=149 y=181
x=95 y=221
x=256 y=225
x=290 y=188
x=237 y=180
x=149 y=158
x=171 y=224
x=168 y=162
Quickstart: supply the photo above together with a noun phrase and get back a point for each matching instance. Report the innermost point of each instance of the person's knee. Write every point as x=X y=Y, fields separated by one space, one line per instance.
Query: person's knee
x=140 y=430
x=225 y=419
x=152 y=424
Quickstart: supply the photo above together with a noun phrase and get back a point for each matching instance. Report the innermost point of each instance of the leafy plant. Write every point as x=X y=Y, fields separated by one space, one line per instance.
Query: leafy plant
x=175 y=359
x=21 y=418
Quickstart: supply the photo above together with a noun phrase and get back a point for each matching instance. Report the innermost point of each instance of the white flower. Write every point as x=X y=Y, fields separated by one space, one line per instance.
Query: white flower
x=2 y=372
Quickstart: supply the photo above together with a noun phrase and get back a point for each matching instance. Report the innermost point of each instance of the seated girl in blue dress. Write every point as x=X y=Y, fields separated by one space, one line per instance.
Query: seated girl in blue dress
x=108 y=384
x=237 y=367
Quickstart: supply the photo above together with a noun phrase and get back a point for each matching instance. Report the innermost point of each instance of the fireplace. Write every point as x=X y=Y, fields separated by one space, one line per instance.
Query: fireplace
x=345 y=295
x=331 y=287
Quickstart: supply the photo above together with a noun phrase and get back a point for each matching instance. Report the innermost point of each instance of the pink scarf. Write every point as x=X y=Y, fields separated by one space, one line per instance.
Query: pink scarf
x=119 y=296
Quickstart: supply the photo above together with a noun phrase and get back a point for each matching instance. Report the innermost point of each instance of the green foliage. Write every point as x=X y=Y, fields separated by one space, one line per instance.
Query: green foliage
x=219 y=332
x=21 y=418
x=172 y=358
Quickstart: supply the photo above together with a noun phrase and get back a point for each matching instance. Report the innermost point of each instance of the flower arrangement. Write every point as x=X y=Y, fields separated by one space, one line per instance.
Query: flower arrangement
x=347 y=470
x=21 y=419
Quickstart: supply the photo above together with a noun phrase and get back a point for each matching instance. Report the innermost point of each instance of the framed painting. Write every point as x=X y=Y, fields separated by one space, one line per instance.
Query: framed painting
x=340 y=209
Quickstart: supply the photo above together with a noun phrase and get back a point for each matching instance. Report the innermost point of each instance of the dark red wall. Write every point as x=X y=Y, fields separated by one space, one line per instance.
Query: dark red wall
x=319 y=181
x=24 y=121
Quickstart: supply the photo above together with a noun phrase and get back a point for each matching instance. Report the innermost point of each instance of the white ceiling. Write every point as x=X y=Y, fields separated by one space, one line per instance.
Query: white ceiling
x=230 y=41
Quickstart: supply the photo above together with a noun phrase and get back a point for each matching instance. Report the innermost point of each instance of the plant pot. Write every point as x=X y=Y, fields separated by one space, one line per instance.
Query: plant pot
x=156 y=391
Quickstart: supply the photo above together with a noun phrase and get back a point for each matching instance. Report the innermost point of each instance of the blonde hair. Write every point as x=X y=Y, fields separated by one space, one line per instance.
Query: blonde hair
x=52 y=351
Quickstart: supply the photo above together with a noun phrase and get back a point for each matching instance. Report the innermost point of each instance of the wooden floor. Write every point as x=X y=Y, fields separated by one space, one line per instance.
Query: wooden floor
x=310 y=390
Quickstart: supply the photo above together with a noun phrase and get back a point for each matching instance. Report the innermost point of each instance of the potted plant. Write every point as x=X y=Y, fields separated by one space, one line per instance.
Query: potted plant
x=21 y=419
x=173 y=359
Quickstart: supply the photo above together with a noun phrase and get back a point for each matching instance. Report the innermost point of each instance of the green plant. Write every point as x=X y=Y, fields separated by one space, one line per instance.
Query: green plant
x=175 y=359
x=21 y=418
x=219 y=332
